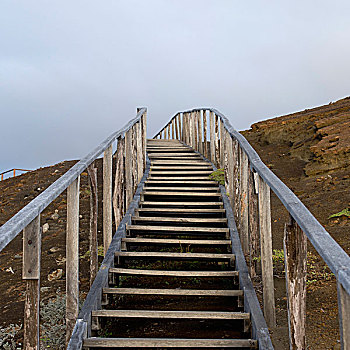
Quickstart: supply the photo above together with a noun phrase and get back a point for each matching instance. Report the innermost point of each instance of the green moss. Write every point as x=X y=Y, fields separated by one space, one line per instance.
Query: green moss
x=344 y=212
x=218 y=175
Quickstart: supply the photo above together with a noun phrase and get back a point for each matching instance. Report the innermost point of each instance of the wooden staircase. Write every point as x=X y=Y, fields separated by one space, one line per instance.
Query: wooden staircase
x=173 y=284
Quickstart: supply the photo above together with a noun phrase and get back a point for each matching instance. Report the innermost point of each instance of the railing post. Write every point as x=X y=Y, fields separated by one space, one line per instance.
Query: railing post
x=92 y=171
x=177 y=117
x=107 y=198
x=168 y=129
x=236 y=201
x=212 y=137
x=344 y=313
x=119 y=185
x=222 y=142
x=244 y=232
x=31 y=273
x=230 y=168
x=295 y=257
x=253 y=223
x=180 y=127
x=200 y=132
x=205 y=137
x=217 y=150
x=266 y=253
x=192 y=130
x=72 y=256
x=173 y=128
x=128 y=167
x=139 y=145
x=195 y=129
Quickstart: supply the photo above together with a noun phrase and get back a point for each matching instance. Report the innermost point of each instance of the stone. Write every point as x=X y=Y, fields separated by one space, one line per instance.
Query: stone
x=56 y=275
x=46 y=227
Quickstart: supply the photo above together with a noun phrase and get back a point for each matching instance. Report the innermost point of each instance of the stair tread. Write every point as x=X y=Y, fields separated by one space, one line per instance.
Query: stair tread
x=175 y=255
x=177 y=241
x=169 y=342
x=177 y=219
x=208 y=315
x=181 y=210
x=183 y=203
x=191 y=292
x=174 y=273
x=177 y=228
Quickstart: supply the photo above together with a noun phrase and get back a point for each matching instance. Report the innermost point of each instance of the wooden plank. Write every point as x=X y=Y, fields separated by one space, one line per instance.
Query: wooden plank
x=173 y=273
x=266 y=253
x=217 y=149
x=166 y=188
x=31 y=273
x=179 y=292
x=174 y=154
x=200 y=132
x=119 y=184
x=72 y=256
x=179 y=210
x=170 y=219
x=194 y=194
x=93 y=244
x=206 y=204
x=169 y=343
x=192 y=130
x=179 y=172
x=180 y=182
x=205 y=136
x=180 y=127
x=181 y=167
x=212 y=136
x=295 y=254
x=174 y=255
x=107 y=198
x=253 y=225
x=196 y=179
x=144 y=137
x=134 y=158
x=177 y=229
x=139 y=157
x=195 y=125
x=344 y=316
x=222 y=144
x=128 y=168
x=236 y=202
x=168 y=131
x=177 y=241
x=173 y=128
x=244 y=229
x=176 y=126
x=202 y=315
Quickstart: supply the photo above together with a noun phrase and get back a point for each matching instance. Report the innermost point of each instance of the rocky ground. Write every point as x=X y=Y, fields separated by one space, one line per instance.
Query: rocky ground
x=309 y=151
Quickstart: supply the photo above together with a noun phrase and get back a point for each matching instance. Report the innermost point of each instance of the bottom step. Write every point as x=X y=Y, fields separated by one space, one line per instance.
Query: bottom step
x=168 y=343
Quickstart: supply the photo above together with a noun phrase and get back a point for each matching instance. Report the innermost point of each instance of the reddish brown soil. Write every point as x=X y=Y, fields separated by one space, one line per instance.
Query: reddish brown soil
x=310 y=152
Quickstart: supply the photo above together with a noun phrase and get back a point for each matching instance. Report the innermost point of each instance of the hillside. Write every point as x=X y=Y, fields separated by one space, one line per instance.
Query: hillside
x=310 y=152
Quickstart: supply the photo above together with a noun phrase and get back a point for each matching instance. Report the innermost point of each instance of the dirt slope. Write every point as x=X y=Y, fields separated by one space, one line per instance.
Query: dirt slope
x=310 y=152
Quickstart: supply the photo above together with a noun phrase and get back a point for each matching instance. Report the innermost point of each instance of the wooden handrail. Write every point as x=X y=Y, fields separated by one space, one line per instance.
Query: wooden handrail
x=230 y=150
x=11 y=170
x=28 y=219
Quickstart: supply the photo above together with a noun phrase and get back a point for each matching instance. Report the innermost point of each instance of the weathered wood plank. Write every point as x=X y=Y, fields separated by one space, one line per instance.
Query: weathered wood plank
x=181 y=210
x=197 y=204
x=253 y=224
x=173 y=129
x=222 y=144
x=174 y=255
x=217 y=149
x=236 y=187
x=295 y=255
x=178 y=219
x=344 y=316
x=177 y=229
x=180 y=292
x=203 y=315
x=119 y=185
x=244 y=229
x=176 y=126
x=266 y=253
x=72 y=256
x=144 y=138
x=139 y=145
x=212 y=137
x=31 y=273
x=173 y=273
x=200 y=132
x=128 y=168
x=187 y=194
x=107 y=198
x=93 y=244
x=170 y=342
x=177 y=241
x=205 y=136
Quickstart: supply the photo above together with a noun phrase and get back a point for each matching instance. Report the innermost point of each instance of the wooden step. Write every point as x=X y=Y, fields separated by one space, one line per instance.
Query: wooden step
x=182 y=220
x=179 y=210
x=146 y=192
x=202 y=315
x=170 y=241
x=199 y=189
x=181 y=167
x=175 y=154
x=182 y=162
x=179 y=172
x=176 y=292
x=173 y=255
x=160 y=181
x=173 y=273
x=168 y=343
x=197 y=204
x=177 y=229
x=180 y=178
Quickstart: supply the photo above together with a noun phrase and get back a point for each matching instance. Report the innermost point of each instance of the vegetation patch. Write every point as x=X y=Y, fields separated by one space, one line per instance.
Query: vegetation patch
x=218 y=175
x=344 y=212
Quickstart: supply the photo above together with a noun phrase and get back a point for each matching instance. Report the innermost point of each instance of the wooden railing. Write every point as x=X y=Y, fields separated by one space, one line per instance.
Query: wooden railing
x=248 y=182
x=13 y=171
x=131 y=151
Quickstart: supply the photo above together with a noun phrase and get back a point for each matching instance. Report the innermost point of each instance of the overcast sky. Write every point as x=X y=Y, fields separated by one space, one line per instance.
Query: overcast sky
x=72 y=72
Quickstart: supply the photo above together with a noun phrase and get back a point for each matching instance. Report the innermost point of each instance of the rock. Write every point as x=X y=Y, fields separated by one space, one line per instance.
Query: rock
x=55 y=216
x=44 y=289
x=18 y=256
x=54 y=250
x=46 y=227
x=80 y=216
x=56 y=275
